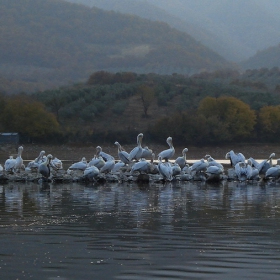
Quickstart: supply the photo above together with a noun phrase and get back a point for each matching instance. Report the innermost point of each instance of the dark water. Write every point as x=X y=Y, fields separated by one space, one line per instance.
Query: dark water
x=112 y=231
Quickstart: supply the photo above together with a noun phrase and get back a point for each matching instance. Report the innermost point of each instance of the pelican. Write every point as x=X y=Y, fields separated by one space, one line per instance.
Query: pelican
x=199 y=166
x=235 y=158
x=118 y=166
x=181 y=161
x=176 y=169
x=153 y=166
x=44 y=167
x=91 y=172
x=123 y=155
x=213 y=162
x=34 y=164
x=19 y=160
x=108 y=166
x=264 y=165
x=10 y=164
x=169 y=153
x=273 y=172
x=255 y=171
x=141 y=166
x=56 y=163
x=81 y=165
x=243 y=171
x=97 y=161
x=165 y=169
x=147 y=153
x=213 y=173
x=136 y=153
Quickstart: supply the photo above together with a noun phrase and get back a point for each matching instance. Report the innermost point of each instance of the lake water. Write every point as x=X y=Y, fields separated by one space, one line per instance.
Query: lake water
x=128 y=231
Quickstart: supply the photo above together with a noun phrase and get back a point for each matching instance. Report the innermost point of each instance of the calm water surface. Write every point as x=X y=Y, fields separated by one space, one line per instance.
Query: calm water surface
x=129 y=231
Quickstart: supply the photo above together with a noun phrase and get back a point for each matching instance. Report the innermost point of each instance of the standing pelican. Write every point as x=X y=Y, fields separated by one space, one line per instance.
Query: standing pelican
x=264 y=165
x=235 y=158
x=19 y=160
x=34 y=164
x=97 y=161
x=44 y=167
x=108 y=166
x=182 y=160
x=147 y=153
x=10 y=164
x=136 y=153
x=165 y=169
x=169 y=153
x=123 y=155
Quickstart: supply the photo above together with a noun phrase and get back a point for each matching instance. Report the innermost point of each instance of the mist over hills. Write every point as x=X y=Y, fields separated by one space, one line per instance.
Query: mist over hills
x=235 y=29
x=54 y=41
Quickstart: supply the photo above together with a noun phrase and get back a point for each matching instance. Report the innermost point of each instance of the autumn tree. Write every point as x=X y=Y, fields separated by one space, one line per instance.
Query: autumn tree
x=147 y=95
x=229 y=118
x=28 y=117
x=269 y=122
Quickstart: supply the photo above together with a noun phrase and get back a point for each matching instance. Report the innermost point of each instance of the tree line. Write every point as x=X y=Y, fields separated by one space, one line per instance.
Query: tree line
x=110 y=106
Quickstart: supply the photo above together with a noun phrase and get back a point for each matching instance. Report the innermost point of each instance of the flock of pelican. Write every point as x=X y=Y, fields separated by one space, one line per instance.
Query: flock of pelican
x=141 y=161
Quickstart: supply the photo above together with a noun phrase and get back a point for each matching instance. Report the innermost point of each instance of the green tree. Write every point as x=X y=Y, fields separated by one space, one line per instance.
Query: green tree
x=147 y=95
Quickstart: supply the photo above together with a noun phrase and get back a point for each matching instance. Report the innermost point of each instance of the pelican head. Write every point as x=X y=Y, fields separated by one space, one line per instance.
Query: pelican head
x=185 y=151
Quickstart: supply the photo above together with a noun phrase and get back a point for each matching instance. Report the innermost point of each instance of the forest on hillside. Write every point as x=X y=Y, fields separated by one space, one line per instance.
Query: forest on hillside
x=53 y=42
x=109 y=106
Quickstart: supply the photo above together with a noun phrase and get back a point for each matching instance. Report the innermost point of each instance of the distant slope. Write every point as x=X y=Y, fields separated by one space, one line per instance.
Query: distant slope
x=267 y=58
x=235 y=29
x=224 y=45
x=59 y=41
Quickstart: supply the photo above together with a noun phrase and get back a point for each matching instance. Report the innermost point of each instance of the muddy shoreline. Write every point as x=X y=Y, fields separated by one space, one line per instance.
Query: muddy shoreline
x=73 y=153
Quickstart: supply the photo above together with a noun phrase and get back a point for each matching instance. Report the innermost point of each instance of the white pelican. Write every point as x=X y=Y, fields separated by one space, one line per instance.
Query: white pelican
x=213 y=162
x=165 y=169
x=123 y=155
x=182 y=160
x=136 y=153
x=118 y=166
x=176 y=169
x=97 y=161
x=44 y=167
x=141 y=166
x=56 y=163
x=235 y=158
x=104 y=155
x=146 y=153
x=273 y=172
x=213 y=173
x=81 y=165
x=199 y=166
x=10 y=164
x=255 y=171
x=169 y=153
x=34 y=164
x=91 y=172
x=108 y=166
x=19 y=160
x=264 y=165
x=243 y=171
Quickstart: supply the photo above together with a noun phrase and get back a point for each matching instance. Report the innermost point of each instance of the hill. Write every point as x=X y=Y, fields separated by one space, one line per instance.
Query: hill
x=267 y=58
x=234 y=29
x=51 y=42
